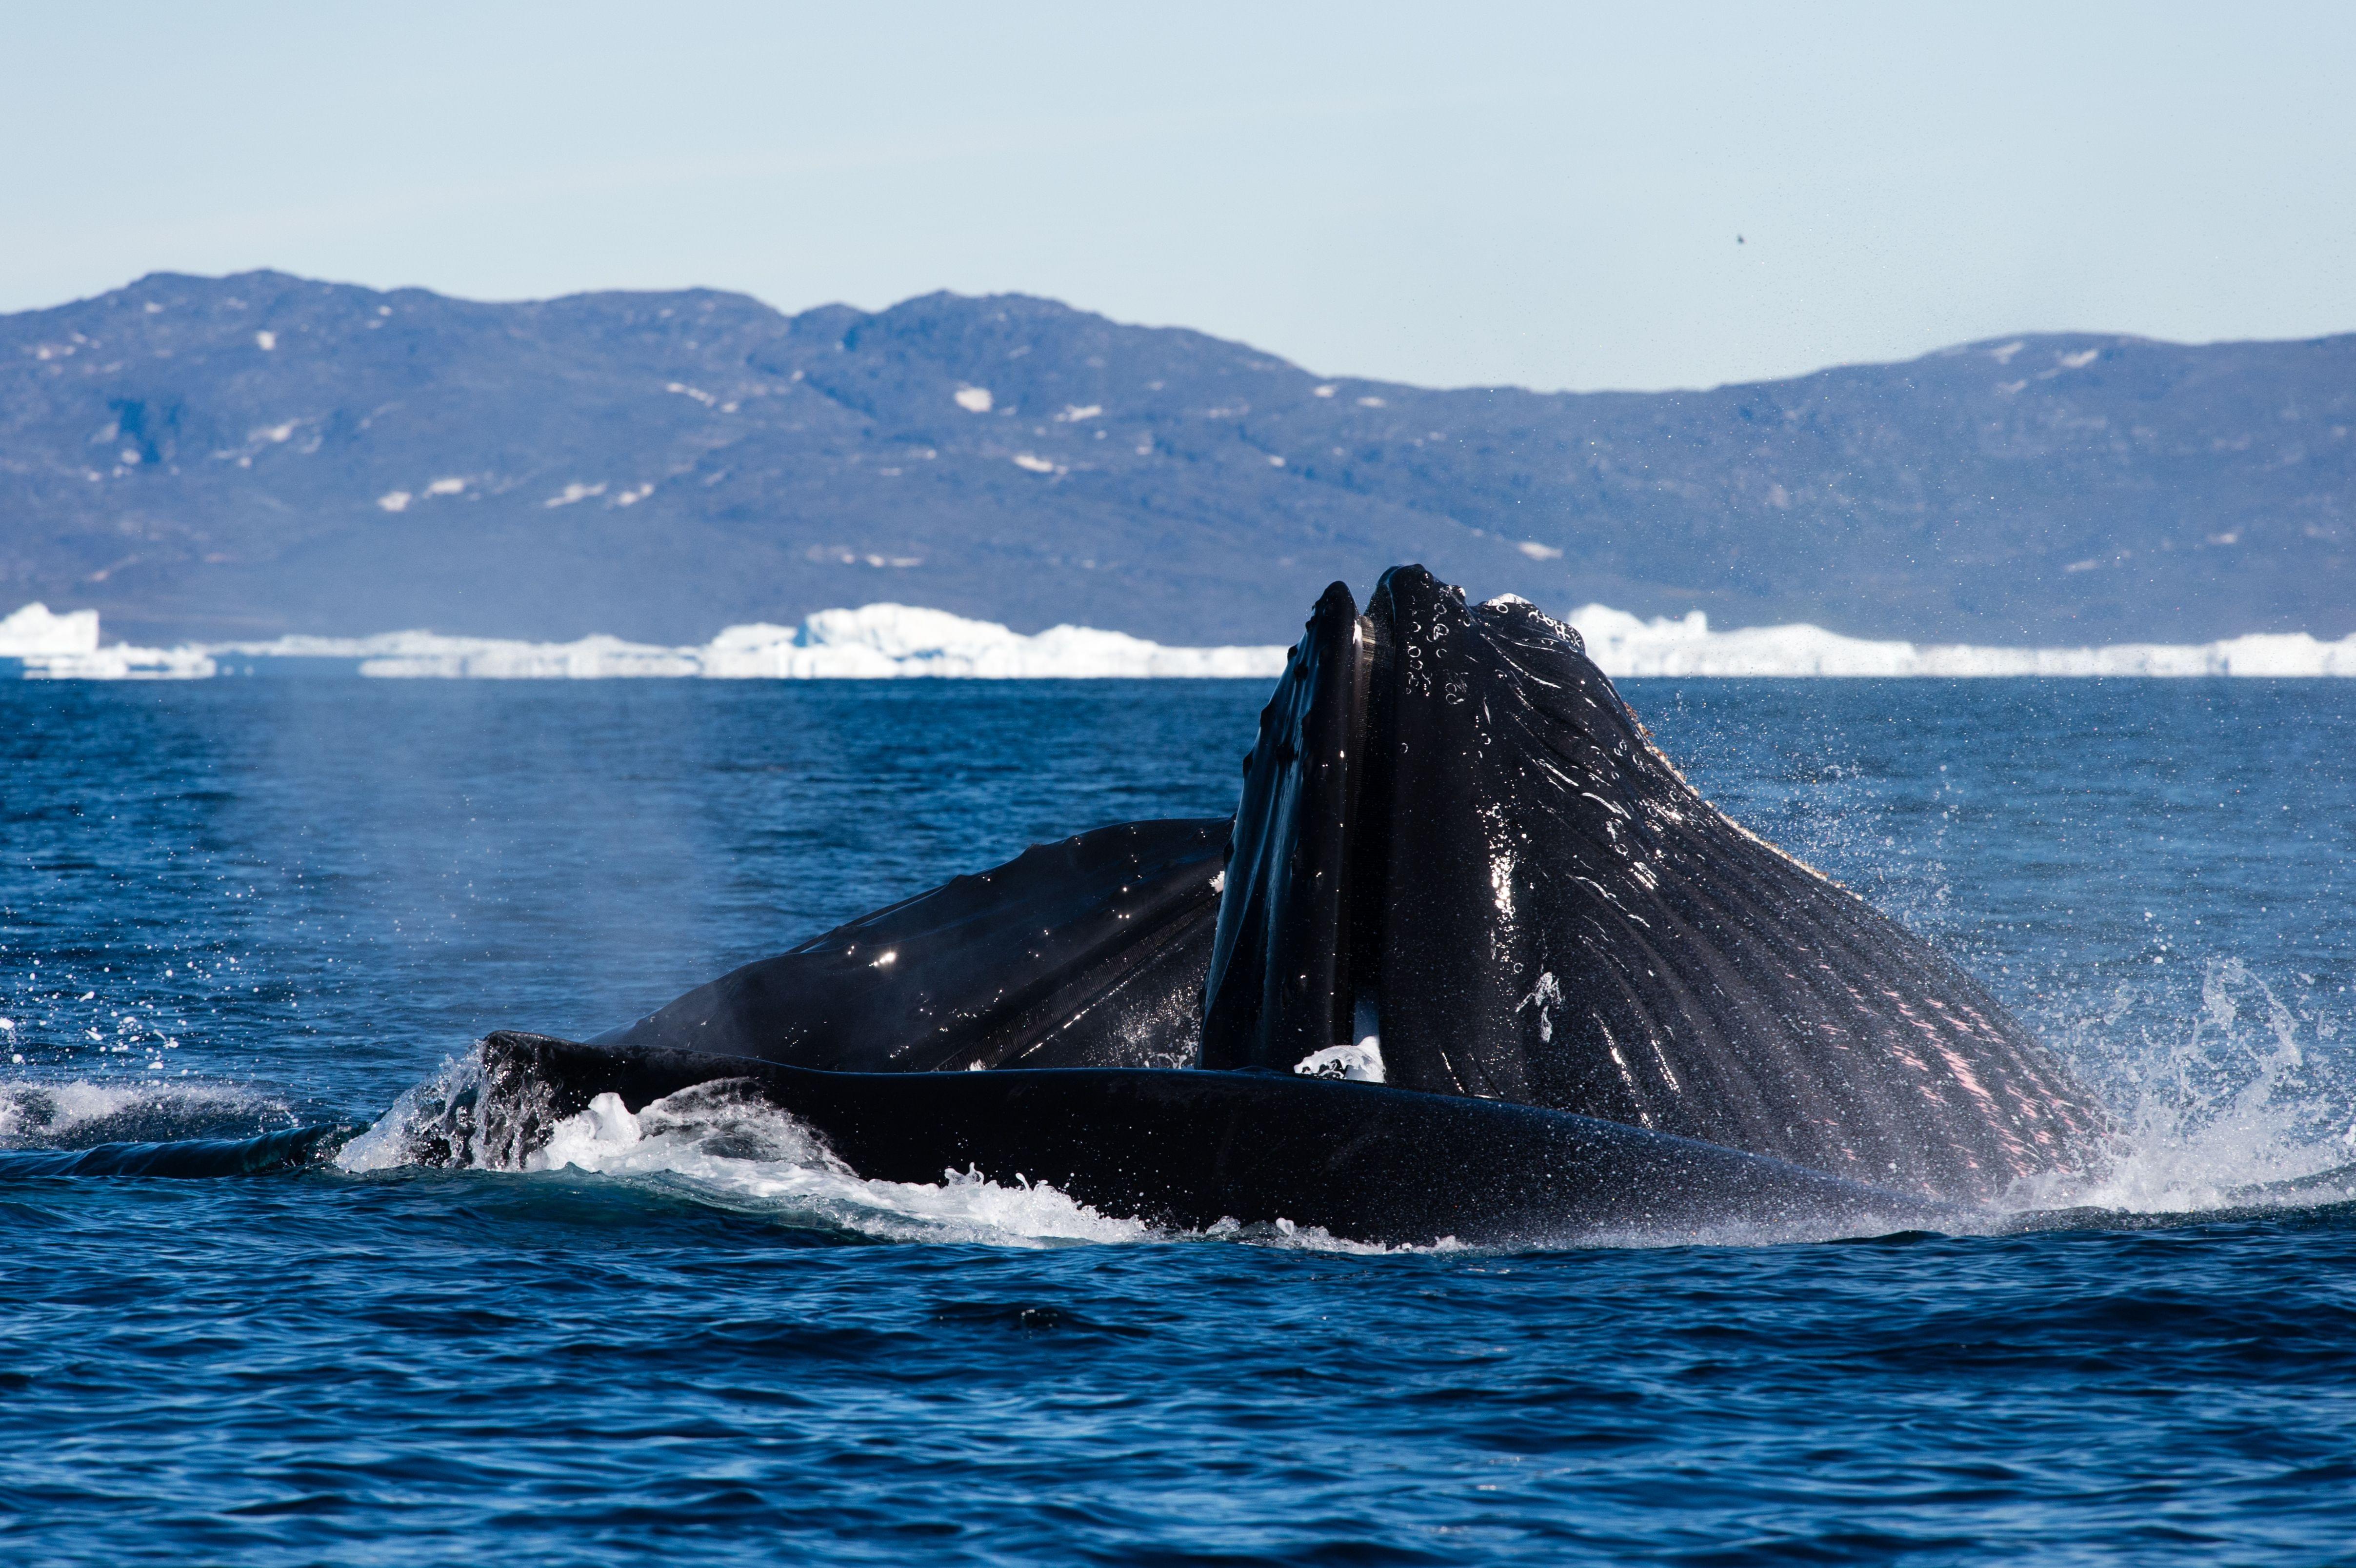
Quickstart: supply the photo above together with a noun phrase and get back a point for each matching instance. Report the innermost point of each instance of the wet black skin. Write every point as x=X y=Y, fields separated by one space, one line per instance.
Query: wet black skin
x=1597 y=998
x=1187 y=1149
x=1541 y=911
x=1088 y=951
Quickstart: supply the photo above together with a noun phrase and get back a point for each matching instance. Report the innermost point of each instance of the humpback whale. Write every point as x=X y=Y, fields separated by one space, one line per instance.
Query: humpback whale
x=1471 y=959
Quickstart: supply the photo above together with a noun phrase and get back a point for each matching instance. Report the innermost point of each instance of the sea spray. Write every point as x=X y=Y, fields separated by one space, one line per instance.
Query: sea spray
x=2220 y=1092
x=465 y=1116
x=718 y=1144
x=79 y=1113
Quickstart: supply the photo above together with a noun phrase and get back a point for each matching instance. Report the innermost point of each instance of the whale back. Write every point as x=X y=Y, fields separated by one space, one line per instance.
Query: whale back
x=1087 y=951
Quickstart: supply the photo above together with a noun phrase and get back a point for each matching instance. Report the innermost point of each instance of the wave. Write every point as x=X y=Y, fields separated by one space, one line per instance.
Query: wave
x=290 y=1148
x=902 y=641
x=81 y=1126
x=81 y=1113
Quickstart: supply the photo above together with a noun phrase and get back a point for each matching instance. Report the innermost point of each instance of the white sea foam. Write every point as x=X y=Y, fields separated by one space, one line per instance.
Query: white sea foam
x=725 y=1147
x=75 y=1113
x=1360 y=1063
x=393 y=1141
x=749 y=1153
x=732 y=1149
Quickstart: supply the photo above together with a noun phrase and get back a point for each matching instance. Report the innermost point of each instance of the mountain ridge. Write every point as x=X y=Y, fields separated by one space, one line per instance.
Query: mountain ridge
x=261 y=453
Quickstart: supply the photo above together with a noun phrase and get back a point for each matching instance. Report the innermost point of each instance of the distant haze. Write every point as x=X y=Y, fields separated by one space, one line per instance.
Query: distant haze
x=1545 y=196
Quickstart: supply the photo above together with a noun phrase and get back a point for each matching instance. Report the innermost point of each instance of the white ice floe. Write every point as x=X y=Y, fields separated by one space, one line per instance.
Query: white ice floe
x=36 y=630
x=123 y=661
x=65 y=648
x=891 y=641
x=424 y=654
x=1625 y=645
x=876 y=641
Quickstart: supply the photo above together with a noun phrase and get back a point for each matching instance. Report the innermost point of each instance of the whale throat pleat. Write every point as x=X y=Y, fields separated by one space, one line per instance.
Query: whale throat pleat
x=1497 y=861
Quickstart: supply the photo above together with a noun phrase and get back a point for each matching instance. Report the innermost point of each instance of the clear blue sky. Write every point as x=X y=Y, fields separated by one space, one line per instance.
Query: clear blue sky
x=1448 y=193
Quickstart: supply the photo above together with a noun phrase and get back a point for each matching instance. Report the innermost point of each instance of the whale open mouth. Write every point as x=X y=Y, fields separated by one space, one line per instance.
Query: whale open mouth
x=1471 y=959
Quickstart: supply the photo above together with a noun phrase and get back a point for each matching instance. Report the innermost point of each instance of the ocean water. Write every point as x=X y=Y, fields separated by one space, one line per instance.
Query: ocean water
x=243 y=906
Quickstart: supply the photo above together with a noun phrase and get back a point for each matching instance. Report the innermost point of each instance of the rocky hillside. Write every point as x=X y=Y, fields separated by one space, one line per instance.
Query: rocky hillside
x=261 y=453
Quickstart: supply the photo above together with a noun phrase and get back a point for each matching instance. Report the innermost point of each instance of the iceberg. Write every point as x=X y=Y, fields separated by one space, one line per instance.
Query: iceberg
x=892 y=640
x=875 y=641
x=38 y=631
x=65 y=648
x=1623 y=645
x=888 y=642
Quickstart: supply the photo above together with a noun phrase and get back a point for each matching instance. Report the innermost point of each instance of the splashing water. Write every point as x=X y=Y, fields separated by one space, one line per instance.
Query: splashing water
x=2234 y=1124
x=2215 y=1100
x=78 y=1113
x=462 y=1117
x=735 y=1149
x=721 y=1145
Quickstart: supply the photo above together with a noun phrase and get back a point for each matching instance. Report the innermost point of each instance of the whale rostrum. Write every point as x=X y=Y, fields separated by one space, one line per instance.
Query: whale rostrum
x=1458 y=862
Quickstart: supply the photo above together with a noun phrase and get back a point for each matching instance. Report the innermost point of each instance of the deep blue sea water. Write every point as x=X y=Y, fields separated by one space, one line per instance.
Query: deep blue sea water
x=239 y=905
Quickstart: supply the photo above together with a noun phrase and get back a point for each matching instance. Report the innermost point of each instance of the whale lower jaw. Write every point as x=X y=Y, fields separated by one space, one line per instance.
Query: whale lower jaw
x=1183 y=1149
